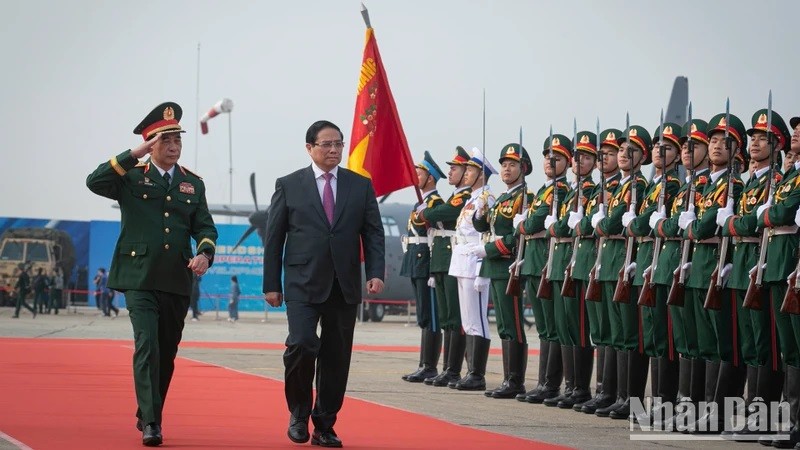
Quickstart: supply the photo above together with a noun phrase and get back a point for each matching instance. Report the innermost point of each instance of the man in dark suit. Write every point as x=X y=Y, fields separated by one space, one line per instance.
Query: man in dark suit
x=163 y=205
x=321 y=214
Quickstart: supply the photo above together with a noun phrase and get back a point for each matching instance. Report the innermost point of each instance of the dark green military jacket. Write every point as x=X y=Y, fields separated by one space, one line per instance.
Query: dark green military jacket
x=782 y=248
x=499 y=224
x=417 y=257
x=443 y=216
x=668 y=229
x=613 y=256
x=587 y=247
x=538 y=248
x=744 y=225
x=562 y=254
x=704 y=255
x=640 y=226
x=158 y=220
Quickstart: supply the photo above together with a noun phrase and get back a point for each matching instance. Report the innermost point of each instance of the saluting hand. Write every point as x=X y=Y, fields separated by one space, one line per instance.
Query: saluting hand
x=145 y=148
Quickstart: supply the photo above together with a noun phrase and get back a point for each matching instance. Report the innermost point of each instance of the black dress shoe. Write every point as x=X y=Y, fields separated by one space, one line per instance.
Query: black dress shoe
x=298 y=430
x=326 y=439
x=139 y=424
x=151 y=435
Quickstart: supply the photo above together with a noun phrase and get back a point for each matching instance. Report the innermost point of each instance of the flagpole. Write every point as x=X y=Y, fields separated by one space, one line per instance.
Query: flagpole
x=197 y=108
x=230 y=163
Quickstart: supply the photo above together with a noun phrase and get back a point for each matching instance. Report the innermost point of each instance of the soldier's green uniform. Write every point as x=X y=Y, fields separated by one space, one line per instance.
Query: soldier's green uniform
x=442 y=219
x=499 y=248
x=416 y=265
x=149 y=263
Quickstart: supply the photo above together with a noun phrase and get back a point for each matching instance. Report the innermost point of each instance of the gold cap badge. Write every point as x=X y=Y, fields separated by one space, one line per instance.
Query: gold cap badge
x=585 y=139
x=169 y=113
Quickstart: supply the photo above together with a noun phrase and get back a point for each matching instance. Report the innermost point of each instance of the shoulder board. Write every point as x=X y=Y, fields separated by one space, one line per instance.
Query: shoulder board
x=458 y=200
x=671 y=179
x=613 y=183
x=435 y=197
x=190 y=172
x=588 y=184
x=562 y=185
x=641 y=179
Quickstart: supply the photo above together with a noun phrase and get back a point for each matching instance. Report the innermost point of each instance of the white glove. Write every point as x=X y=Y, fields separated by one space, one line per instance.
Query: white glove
x=656 y=217
x=686 y=268
x=549 y=220
x=518 y=219
x=480 y=204
x=753 y=270
x=723 y=214
x=480 y=283
x=421 y=207
x=431 y=282
x=514 y=265
x=627 y=218
x=478 y=250
x=686 y=218
x=647 y=271
x=726 y=273
x=797 y=217
x=789 y=278
x=630 y=269
x=577 y=216
x=599 y=215
x=761 y=209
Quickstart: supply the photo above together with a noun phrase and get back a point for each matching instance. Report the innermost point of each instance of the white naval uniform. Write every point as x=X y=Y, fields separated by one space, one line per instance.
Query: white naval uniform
x=465 y=267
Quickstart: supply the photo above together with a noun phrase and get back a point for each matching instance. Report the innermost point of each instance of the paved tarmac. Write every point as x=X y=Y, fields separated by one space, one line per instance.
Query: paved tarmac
x=374 y=375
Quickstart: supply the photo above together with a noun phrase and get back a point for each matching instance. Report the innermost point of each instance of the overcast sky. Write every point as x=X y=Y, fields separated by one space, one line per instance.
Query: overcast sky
x=78 y=76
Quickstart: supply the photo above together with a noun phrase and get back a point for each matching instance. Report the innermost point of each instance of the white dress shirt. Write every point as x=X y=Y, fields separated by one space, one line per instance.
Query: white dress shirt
x=318 y=175
x=171 y=171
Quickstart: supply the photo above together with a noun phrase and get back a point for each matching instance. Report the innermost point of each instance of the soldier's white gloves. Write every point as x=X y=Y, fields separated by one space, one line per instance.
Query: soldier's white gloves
x=518 y=219
x=797 y=217
x=431 y=282
x=630 y=269
x=753 y=270
x=421 y=207
x=478 y=250
x=627 y=218
x=647 y=271
x=761 y=209
x=480 y=283
x=656 y=217
x=686 y=268
x=480 y=204
x=599 y=215
x=686 y=218
x=515 y=264
x=723 y=214
x=726 y=273
x=549 y=220
x=575 y=217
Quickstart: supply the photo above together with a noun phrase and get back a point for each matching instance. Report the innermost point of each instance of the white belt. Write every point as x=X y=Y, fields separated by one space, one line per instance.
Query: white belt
x=441 y=233
x=459 y=239
x=415 y=239
x=788 y=229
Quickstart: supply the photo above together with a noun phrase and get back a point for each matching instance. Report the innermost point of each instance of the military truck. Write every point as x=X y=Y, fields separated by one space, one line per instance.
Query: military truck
x=44 y=248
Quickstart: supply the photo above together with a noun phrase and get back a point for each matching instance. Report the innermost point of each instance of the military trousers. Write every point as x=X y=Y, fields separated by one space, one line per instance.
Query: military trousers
x=787 y=326
x=508 y=312
x=725 y=324
x=543 y=311
x=631 y=320
x=658 y=326
x=612 y=310
x=427 y=315
x=157 y=319
x=596 y=315
x=474 y=308
x=706 y=337
x=572 y=320
x=755 y=332
x=447 y=301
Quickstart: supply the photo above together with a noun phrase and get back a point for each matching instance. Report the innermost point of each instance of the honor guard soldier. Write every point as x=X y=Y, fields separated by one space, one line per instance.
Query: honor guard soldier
x=577 y=353
x=163 y=205
x=599 y=324
x=498 y=254
x=533 y=225
x=442 y=219
x=632 y=363
x=416 y=265
x=779 y=217
x=473 y=292
x=662 y=189
x=712 y=328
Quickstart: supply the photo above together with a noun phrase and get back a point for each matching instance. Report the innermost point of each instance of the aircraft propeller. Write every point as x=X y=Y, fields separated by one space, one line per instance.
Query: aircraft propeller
x=258 y=220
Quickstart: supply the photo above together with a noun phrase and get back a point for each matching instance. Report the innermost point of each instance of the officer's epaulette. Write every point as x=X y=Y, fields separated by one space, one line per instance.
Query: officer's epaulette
x=671 y=179
x=185 y=170
x=433 y=198
x=613 y=183
x=562 y=185
x=140 y=164
x=588 y=184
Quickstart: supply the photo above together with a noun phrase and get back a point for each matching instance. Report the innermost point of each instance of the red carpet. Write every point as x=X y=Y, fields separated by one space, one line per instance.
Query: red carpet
x=69 y=394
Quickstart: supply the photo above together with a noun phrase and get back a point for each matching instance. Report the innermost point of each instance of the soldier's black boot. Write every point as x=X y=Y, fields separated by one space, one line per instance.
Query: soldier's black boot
x=469 y=349
x=432 y=345
x=583 y=359
x=421 y=353
x=610 y=385
x=792 y=393
x=622 y=385
x=684 y=397
x=504 y=343
x=667 y=391
x=517 y=364
x=568 y=366
x=710 y=374
x=544 y=351
x=552 y=378
x=638 y=365
x=714 y=419
x=458 y=347
x=697 y=388
x=598 y=389
x=476 y=378
x=447 y=334
x=768 y=384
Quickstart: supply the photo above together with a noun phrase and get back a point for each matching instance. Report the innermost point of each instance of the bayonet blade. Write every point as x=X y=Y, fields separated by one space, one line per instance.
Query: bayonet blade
x=769 y=114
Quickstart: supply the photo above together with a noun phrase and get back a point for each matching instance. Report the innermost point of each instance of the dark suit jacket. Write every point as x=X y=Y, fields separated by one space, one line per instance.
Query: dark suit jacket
x=315 y=251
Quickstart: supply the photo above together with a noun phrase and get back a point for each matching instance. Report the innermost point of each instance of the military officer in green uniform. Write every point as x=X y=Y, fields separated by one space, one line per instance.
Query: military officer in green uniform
x=632 y=363
x=572 y=322
x=416 y=265
x=779 y=215
x=498 y=254
x=599 y=322
x=442 y=219
x=653 y=331
x=163 y=205
x=533 y=224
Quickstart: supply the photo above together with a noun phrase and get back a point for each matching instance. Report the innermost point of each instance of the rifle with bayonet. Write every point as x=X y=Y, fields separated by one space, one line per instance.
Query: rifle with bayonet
x=622 y=293
x=791 y=301
x=568 y=288
x=647 y=296
x=593 y=285
x=545 y=290
x=677 y=290
x=752 y=298
x=714 y=293
x=514 y=287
